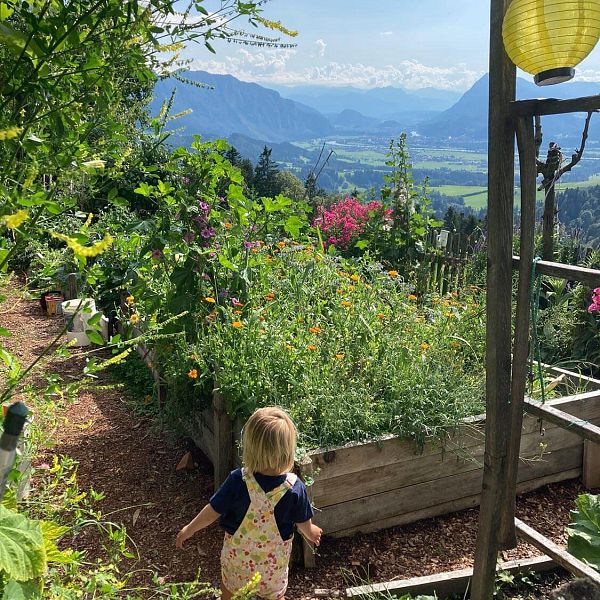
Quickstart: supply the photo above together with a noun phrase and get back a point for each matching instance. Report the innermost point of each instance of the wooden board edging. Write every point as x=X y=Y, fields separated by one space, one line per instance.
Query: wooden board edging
x=450 y=582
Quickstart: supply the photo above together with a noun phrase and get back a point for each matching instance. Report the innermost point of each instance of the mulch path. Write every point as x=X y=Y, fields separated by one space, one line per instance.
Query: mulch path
x=133 y=463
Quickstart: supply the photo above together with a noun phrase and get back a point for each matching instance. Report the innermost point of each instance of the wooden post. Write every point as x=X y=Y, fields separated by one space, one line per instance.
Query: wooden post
x=591 y=465
x=528 y=171
x=308 y=549
x=223 y=431
x=548 y=223
x=71 y=291
x=501 y=149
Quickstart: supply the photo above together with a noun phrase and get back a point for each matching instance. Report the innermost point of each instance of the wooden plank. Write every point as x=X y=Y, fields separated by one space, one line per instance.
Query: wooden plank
x=591 y=465
x=560 y=556
x=223 y=440
x=520 y=364
x=590 y=277
x=453 y=505
x=582 y=427
x=450 y=582
x=373 y=509
x=430 y=467
x=501 y=169
x=552 y=106
x=308 y=548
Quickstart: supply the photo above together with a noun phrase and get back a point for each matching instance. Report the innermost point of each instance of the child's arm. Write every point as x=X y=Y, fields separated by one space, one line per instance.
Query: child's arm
x=310 y=531
x=207 y=516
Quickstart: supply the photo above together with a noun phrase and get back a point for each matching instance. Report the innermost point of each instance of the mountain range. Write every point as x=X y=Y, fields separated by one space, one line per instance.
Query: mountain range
x=222 y=106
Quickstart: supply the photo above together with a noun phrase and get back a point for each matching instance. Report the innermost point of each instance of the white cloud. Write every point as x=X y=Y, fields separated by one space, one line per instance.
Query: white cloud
x=271 y=67
x=321 y=45
x=386 y=33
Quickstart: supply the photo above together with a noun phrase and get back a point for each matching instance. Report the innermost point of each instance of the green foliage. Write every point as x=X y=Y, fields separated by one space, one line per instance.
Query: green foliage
x=584 y=530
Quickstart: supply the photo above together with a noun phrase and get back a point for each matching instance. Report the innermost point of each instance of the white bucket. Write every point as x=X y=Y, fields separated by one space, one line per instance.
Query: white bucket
x=83 y=309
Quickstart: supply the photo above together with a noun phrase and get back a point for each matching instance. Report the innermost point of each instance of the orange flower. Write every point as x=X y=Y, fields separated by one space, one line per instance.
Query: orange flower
x=351 y=288
x=393 y=273
x=355 y=277
x=269 y=258
x=342 y=274
x=210 y=300
x=227 y=225
x=382 y=315
x=312 y=347
x=455 y=344
x=261 y=318
x=346 y=304
x=237 y=324
x=254 y=250
x=316 y=329
x=412 y=297
x=237 y=312
x=425 y=346
x=130 y=300
x=340 y=356
x=270 y=296
x=193 y=374
x=281 y=244
x=339 y=291
x=212 y=316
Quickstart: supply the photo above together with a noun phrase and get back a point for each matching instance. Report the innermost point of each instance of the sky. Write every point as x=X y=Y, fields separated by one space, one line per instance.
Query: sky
x=403 y=43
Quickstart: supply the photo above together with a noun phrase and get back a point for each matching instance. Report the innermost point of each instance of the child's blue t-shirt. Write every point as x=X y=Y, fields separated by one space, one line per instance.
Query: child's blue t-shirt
x=232 y=501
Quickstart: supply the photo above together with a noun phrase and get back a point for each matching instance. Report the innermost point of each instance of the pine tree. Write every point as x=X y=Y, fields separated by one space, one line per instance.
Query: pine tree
x=265 y=181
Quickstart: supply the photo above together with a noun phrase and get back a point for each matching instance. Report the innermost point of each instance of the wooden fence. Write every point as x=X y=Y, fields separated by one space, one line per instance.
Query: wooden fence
x=447 y=257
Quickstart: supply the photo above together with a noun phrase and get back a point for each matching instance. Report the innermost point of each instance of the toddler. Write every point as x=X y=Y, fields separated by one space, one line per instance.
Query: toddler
x=258 y=507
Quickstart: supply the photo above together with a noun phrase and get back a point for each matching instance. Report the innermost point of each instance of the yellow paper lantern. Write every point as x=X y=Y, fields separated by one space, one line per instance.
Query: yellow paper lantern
x=549 y=38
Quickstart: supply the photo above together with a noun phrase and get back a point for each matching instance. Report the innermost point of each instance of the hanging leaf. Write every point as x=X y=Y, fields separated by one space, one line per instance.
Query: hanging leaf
x=22 y=554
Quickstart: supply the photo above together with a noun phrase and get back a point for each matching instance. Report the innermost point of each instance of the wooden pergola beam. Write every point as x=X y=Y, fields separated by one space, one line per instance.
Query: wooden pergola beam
x=556 y=553
x=552 y=106
x=590 y=277
x=583 y=428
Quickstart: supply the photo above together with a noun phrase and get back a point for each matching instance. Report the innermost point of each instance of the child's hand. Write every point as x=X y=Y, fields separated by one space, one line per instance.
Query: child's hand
x=182 y=536
x=314 y=534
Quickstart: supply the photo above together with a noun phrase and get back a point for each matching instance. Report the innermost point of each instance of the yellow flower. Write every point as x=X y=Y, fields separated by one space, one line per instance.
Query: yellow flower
x=289 y=347
x=15 y=220
x=10 y=133
x=193 y=374
x=269 y=258
x=425 y=346
x=227 y=225
x=340 y=356
x=130 y=299
x=346 y=304
x=87 y=251
x=393 y=273
x=355 y=277
x=312 y=347
x=210 y=300
x=134 y=318
x=237 y=312
x=316 y=329
x=412 y=297
x=455 y=344
x=351 y=288
x=237 y=324
x=339 y=291
x=147 y=399
x=449 y=314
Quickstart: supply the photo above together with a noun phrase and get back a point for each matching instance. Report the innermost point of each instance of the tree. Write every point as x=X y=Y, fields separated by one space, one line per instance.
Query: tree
x=265 y=181
x=290 y=186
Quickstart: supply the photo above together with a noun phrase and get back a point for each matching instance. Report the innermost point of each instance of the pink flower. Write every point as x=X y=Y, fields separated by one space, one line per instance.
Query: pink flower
x=156 y=253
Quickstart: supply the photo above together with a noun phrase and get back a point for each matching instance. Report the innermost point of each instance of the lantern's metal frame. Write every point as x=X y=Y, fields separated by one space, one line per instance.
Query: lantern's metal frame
x=506 y=364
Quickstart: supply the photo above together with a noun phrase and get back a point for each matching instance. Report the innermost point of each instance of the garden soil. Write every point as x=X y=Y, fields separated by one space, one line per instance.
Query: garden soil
x=132 y=462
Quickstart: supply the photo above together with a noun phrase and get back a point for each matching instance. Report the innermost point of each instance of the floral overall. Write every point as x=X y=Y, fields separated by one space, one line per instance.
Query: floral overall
x=257 y=545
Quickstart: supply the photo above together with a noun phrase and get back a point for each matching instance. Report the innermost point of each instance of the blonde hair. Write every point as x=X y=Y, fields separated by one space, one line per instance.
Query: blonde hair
x=269 y=441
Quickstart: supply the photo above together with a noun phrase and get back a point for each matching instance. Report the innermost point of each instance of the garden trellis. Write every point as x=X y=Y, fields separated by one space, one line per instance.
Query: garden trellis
x=507 y=364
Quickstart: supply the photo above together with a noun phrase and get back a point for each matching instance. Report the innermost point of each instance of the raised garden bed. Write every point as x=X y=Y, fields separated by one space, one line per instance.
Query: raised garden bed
x=365 y=487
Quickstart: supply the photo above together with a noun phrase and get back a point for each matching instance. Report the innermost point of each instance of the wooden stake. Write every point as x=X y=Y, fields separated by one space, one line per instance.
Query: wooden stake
x=591 y=465
x=501 y=149
x=223 y=431
x=528 y=170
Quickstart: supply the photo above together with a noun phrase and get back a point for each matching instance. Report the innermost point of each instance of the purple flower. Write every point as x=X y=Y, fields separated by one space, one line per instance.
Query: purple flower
x=223 y=293
x=248 y=245
x=208 y=232
x=212 y=254
x=204 y=206
x=188 y=237
x=156 y=253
